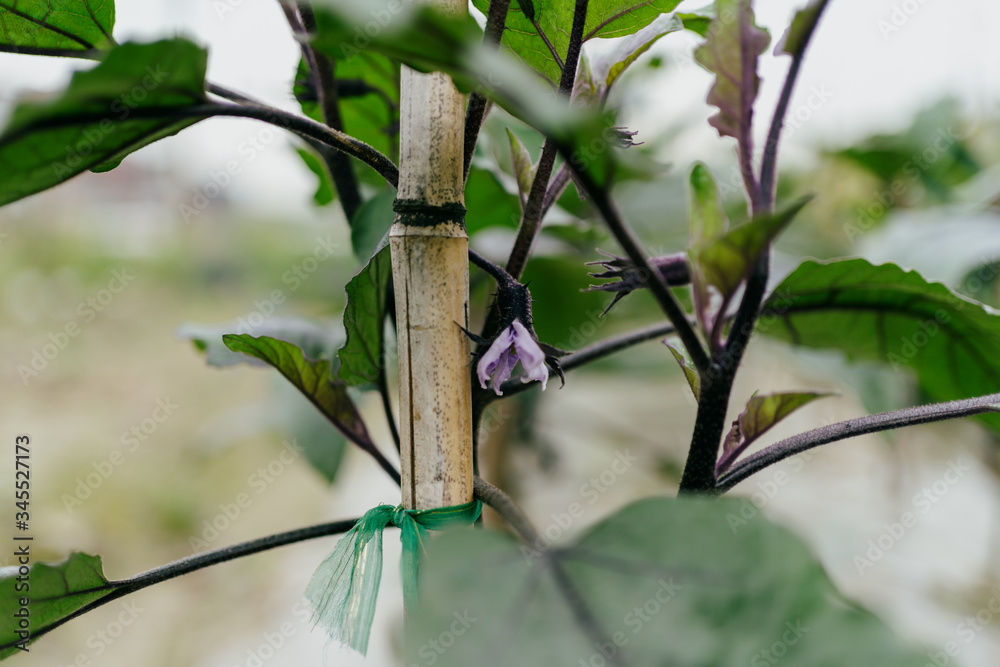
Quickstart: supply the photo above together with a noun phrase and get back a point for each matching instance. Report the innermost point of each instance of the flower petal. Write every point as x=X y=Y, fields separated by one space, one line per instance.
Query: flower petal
x=503 y=370
x=491 y=358
x=540 y=373
x=531 y=355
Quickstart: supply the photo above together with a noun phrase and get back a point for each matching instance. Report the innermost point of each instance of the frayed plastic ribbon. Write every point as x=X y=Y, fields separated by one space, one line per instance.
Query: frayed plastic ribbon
x=344 y=588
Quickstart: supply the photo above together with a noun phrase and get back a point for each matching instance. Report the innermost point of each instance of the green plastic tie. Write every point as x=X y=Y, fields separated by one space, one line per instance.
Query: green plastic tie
x=344 y=588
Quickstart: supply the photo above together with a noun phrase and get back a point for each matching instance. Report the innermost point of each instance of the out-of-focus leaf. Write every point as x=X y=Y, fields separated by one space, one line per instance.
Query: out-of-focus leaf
x=368 y=97
x=759 y=415
x=708 y=219
x=52 y=592
x=730 y=52
x=697 y=23
x=488 y=203
x=923 y=164
x=364 y=320
x=126 y=102
x=888 y=314
x=564 y=315
x=371 y=223
x=312 y=378
x=708 y=222
x=690 y=374
x=684 y=581
x=324 y=188
x=321 y=445
x=56 y=27
x=315 y=340
x=524 y=170
x=605 y=18
x=422 y=36
x=429 y=40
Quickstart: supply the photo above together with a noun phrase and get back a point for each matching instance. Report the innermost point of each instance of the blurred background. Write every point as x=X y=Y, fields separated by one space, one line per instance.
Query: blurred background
x=886 y=86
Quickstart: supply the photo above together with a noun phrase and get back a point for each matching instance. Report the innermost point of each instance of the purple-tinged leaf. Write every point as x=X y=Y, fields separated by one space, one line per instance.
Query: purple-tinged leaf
x=730 y=51
x=760 y=414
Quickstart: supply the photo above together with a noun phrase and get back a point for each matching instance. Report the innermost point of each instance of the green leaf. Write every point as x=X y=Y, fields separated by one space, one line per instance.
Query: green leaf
x=708 y=222
x=727 y=261
x=605 y=18
x=321 y=445
x=662 y=582
x=760 y=414
x=690 y=374
x=123 y=104
x=364 y=320
x=423 y=37
x=324 y=188
x=316 y=340
x=730 y=52
x=888 y=314
x=611 y=66
x=794 y=40
x=696 y=23
x=53 y=593
x=368 y=97
x=312 y=378
x=488 y=203
x=56 y=27
x=428 y=40
x=524 y=169
x=708 y=218
x=371 y=223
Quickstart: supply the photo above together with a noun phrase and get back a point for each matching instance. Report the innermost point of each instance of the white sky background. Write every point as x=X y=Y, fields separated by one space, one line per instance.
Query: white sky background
x=878 y=81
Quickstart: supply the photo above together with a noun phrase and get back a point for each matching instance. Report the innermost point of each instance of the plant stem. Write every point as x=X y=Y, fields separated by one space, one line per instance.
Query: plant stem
x=884 y=421
x=187 y=565
x=475 y=113
x=556 y=188
x=633 y=248
x=300 y=125
x=508 y=510
x=497 y=272
x=324 y=82
x=770 y=160
x=716 y=388
x=532 y=218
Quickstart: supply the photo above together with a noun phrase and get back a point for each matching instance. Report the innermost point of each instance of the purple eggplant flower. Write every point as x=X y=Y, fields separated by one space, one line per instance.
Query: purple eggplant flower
x=513 y=344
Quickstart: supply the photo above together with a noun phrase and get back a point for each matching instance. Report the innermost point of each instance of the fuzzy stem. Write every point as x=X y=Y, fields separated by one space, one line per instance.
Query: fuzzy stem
x=884 y=421
x=479 y=105
x=184 y=566
x=531 y=221
x=770 y=160
x=699 y=471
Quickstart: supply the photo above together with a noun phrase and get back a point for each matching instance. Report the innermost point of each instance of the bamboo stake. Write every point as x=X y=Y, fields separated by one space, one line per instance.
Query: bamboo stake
x=430 y=268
